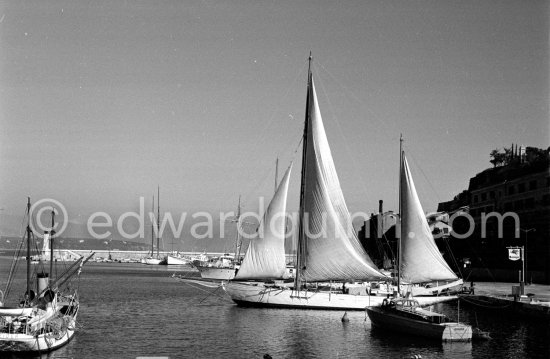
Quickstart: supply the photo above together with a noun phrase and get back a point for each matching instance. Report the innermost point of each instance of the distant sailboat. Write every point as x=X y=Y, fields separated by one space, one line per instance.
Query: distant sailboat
x=225 y=266
x=419 y=261
x=155 y=260
x=328 y=247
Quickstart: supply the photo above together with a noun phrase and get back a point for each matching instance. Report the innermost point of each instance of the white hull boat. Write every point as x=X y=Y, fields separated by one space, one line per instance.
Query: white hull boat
x=261 y=295
x=176 y=260
x=216 y=273
x=47 y=331
x=452 y=287
x=153 y=261
x=46 y=317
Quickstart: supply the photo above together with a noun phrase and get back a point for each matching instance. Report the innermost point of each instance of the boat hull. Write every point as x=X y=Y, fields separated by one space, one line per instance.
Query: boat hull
x=216 y=273
x=153 y=261
x=437 y=290
x=259 y=295
x=173 y=260
x=383 y=319
x=18 y=342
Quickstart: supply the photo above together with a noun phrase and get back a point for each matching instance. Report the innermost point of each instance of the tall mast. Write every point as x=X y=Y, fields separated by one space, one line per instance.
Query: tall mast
x=52 y=233
x=401 y=156
x=238 y=237
x=28 y=292
x=153 y=227
x=158 y=219
x=276 y=173
x=302 y=245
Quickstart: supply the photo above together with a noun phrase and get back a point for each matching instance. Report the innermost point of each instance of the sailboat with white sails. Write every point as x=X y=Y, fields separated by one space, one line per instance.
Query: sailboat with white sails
x=419 y=261
x=328 y=247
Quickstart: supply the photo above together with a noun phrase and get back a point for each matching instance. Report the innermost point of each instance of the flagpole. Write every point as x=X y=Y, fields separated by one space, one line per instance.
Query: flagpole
x=522 y=285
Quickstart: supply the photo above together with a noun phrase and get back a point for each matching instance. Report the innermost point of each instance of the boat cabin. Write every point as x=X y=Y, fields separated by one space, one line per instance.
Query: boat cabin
x=411 y=308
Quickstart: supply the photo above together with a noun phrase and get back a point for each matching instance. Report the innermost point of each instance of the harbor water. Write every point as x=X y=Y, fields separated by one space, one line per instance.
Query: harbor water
x=134 y=310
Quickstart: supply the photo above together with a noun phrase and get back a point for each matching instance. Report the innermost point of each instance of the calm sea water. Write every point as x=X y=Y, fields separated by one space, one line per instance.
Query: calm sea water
x=131 y=310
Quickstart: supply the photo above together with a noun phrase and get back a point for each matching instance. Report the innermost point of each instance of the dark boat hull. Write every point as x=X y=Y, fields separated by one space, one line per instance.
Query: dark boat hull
x=393 y=321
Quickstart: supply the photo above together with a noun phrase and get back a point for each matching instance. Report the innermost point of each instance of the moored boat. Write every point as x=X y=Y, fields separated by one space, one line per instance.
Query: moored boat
x=405 y=315
x=219 y=268
x=328 y=249
x=152 y=259
x=281 y=295
x=419 y=261
x=46 y=316
x=177 y=259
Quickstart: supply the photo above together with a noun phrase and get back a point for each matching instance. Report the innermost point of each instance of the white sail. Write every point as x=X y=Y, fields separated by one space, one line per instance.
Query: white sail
x=265 y=257
x=331 y=250
x=421 y=260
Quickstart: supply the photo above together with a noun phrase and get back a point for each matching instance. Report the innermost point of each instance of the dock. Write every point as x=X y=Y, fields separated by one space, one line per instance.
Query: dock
x=535 y=303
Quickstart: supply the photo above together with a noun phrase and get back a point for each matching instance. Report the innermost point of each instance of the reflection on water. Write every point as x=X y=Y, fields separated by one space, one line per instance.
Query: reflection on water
x=130 y=310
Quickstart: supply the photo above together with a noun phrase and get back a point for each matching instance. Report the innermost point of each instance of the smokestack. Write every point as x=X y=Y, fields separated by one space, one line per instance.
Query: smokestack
x=380 y=206
x=42 y=282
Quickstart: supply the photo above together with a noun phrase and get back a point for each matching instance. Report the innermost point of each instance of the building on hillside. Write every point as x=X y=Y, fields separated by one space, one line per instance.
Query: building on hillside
x=378 y=238
x=509 y=205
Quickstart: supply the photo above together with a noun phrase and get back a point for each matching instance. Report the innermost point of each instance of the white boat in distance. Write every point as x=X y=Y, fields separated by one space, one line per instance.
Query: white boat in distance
x=337 y=256
x=152 y=259
x=219 y=268
x=177 y=259
x=225 y=266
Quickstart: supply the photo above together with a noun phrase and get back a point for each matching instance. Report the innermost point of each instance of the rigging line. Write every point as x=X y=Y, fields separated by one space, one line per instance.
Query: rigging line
x=271 y=118
x=351 y=94
x=417 y=165
x=13 y=268
x=211 y=293
x=296 y=150
x=478 y=303
x=267 y=174
x=453 y=256
x=348 y=149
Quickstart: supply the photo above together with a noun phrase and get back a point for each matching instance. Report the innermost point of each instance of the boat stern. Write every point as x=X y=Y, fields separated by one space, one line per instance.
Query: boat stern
x=457 y=332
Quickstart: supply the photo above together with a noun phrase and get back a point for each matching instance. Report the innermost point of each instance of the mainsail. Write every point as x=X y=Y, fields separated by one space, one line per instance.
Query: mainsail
x=421 y=260
x=329 y=247
x=265 y=257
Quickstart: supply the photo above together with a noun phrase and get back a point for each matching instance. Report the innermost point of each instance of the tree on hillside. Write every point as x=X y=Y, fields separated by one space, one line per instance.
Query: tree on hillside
x=497 y=158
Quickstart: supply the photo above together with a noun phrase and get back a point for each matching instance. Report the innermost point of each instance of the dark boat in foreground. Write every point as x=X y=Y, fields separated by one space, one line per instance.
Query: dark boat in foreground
x=406 y=316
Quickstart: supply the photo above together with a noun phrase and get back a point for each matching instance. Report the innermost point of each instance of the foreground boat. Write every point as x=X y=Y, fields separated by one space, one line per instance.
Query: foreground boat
x=405 y=315
x=419 y=261
x=46 y=316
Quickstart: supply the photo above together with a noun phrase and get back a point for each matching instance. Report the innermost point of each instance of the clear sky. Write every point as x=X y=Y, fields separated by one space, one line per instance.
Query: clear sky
x=102 y=101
